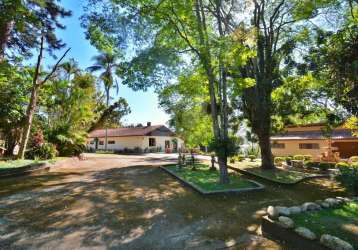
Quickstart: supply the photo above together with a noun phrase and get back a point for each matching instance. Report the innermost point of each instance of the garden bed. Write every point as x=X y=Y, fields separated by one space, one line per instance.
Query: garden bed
x=205 y=181
x=328 y=224
x=278 y=175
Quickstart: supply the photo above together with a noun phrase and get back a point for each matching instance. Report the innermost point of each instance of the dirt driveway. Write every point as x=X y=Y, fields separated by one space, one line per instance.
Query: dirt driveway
x=126 y=202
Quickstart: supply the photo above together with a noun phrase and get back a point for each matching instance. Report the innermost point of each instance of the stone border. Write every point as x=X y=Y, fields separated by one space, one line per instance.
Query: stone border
x=205 y=192
x=242 y=171
x=25 y=170
x=277 y=224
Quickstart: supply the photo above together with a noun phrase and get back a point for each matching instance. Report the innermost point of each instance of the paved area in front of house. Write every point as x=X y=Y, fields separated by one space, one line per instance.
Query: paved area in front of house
x=127 y=202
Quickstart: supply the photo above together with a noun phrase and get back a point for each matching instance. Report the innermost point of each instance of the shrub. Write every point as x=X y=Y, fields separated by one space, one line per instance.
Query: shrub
x=307 y=157
x=311 y=164
x=288 y=160
x=324 y=166
x=298 y=157
x=342 y=165
x=353 y=159
x=348 y=177
x=279 y=160
x=232 y=160
x=46 y=151
x=138 y=150
x=252 y=157
x=240 y=157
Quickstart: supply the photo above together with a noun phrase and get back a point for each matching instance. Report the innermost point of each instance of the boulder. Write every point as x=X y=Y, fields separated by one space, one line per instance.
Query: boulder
x=305 y=233
x=283 y=211
x=310 y=206
x=285 y=222
x=332 y=201
x=335 y=243
x=272 y=212
x=295 y=210
x=325 y=205
x=343 y=199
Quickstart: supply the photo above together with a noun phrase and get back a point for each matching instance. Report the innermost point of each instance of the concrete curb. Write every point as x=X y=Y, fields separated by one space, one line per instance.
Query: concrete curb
x=242 y=171
x=204 y=192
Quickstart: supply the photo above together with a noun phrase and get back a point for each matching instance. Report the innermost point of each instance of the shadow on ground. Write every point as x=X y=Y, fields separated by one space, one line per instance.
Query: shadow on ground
x=138 y=207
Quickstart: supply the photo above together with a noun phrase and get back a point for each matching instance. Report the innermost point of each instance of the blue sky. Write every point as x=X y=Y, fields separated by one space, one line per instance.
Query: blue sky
x=144 y=105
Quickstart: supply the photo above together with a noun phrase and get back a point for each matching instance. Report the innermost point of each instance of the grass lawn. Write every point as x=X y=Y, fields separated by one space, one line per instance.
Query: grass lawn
x=209 y=180
x=341 y=222
x=276 y=175
x=22 y=163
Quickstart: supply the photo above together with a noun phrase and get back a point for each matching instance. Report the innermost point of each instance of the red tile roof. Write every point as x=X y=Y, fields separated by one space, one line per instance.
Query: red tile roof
x=313 y=135
x=123 y=132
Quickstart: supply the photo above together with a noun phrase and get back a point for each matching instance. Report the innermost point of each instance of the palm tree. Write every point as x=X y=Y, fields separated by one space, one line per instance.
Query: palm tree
x=106 y=63
x=70 y=68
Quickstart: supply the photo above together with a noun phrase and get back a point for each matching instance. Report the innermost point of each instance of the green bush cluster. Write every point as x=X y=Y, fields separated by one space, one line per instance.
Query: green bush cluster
x=279 y=160
x=348 y=176
x=303 y=157
x=324 y=166
x=353 y=159
x=252 y=157
x=45 y=151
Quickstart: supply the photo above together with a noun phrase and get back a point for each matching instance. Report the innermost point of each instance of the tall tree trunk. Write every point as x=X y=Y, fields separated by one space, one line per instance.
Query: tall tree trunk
x=266 y=154
x=28 y=121
x=106 y=129
x=5 y=30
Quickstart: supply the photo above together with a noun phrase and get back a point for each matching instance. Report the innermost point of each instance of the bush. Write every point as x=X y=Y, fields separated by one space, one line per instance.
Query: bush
x=312 y=164
x=279 y=160
x=252 y=157
x=342 y=165
x=298 y=157
x=353 y=159
x=307 y=157
x=349 y=178
x=240 y=157
x=288 y=160
x=46 y=151
x=232 y=160
x=324 y=166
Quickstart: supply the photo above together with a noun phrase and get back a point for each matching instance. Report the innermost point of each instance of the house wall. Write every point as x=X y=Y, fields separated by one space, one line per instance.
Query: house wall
x=135 y=141
x=292 y=148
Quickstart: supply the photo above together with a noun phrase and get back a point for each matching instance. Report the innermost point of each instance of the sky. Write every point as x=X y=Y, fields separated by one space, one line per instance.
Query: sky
x=144 y=105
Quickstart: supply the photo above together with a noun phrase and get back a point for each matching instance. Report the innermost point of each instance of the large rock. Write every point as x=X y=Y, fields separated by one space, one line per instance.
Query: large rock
x=325 y=205
x=332 y=201
x=335 y=243
x=295 y=210
x=310 y=206
x=343 y=199
x=283 y=211
x=305 y=233
x=272 y=212
x=286 y=222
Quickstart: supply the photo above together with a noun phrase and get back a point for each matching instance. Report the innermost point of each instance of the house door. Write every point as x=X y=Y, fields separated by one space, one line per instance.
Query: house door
x=96 y=143
x=167 y=144
x=346 y=149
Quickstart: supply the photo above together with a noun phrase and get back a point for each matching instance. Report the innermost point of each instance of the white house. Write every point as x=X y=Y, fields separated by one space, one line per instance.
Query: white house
x=146 y=138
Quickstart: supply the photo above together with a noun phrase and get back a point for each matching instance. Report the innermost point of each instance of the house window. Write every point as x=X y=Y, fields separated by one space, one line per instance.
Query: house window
x=101 y=142
x=309 y=146
x=167 y=144
x=152 y=142
x=111 y=142
x=277 y=145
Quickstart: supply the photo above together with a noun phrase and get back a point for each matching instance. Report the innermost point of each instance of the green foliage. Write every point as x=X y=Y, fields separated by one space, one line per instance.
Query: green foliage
x=324 y=166
x=349 y=178
x=240 y=157
x=340 y=165
x=298 y=157
x=45 y=151
x=279 y=160
x=353 y=159
x=227 y=148
x=311 y=164
x=252 y=157
x=308 y=157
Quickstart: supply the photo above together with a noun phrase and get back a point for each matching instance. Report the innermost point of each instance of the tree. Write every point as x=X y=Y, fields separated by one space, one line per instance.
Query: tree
x=22 y=22
x=108 y=65
x=37 y=84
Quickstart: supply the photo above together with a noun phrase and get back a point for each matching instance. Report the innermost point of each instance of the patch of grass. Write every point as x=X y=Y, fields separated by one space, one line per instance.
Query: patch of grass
x=11 y=164
x=209 y=180
x=341 y=222
x=276 y=175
